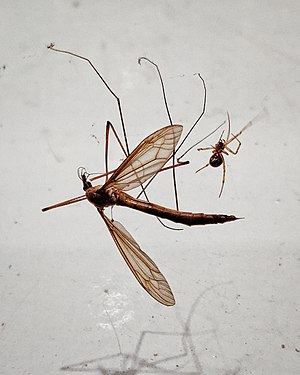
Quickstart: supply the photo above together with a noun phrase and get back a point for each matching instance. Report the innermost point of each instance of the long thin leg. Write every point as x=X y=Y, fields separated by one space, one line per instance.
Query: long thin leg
x=161 y=84
x=228 y=132
x=166 y=103
x=223 y=176
x=171 y=123
x=109 y=126
x=201 y=140
x=205 y=148
x=196 y=122
x=51 y=46
x=200 y=169
x=170 y=119
x=65 y=203
x=237 y=149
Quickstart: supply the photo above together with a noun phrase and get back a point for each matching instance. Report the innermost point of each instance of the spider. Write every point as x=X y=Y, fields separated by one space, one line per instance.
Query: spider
x=221 y=148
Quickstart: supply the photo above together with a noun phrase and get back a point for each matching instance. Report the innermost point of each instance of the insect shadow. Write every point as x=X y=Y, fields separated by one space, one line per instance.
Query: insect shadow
x=185 y=361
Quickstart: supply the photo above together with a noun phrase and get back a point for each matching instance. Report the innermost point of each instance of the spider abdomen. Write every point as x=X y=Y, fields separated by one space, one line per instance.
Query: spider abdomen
x=215 y=160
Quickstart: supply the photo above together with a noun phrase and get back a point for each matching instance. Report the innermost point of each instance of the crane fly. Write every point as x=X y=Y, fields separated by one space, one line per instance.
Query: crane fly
x=145 y=160
x=109 y=126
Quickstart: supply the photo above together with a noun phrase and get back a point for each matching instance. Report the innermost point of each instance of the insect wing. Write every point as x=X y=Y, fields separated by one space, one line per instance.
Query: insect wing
x=262 y=115
x=141 y=265
x=146 y=159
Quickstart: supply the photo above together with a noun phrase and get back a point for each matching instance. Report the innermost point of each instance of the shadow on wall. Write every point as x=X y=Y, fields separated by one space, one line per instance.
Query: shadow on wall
x=184 y=360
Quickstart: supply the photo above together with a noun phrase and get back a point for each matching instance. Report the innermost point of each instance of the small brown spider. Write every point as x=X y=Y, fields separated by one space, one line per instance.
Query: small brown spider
x=221 y=148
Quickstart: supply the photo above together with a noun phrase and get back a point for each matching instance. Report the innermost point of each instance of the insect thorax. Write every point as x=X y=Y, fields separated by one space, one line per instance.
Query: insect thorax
x=100 y=197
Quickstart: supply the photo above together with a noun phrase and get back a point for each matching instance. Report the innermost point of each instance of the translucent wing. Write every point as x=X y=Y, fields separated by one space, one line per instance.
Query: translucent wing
x=146 y=159
x=260 y=116
x=141 y=265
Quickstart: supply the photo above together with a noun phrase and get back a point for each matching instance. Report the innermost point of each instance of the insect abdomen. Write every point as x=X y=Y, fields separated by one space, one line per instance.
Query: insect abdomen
x=186 y=218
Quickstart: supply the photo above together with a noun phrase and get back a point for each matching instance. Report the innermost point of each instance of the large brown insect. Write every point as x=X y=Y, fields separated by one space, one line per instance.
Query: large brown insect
x=145 y=161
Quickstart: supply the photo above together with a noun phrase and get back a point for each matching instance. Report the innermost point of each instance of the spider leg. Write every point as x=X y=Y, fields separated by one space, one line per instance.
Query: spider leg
x=238 y=146
x=228 y=133
x=205 y=148
x=223 y=177
x=200 y=169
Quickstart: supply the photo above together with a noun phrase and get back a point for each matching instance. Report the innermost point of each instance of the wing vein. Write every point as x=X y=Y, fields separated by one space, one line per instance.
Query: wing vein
x=141 y=265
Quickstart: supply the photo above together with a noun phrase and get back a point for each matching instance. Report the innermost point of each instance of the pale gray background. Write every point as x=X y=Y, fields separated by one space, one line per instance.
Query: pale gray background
x=67 y=298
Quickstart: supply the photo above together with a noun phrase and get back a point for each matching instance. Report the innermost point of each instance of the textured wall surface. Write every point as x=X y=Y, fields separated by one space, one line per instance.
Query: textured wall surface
x=69 y=303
